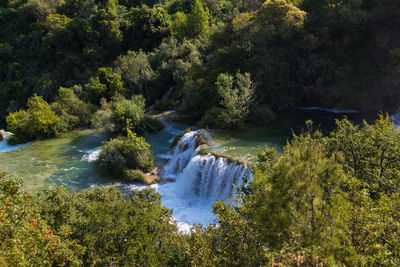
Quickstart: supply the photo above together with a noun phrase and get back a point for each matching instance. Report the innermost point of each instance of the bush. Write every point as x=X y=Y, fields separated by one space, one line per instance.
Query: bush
x=107 y=84
x=37 y=121
x=213 y=119
x=113 y=229
x=1 y=137
x=236 y=96
x=121 y=114
x=13 y=140
x=72 y=111
x=126 y=153
x=139 y=176
x=134 y=175
x=153 y=125
x=261 y=114
x=26 y=238
x=161 y=105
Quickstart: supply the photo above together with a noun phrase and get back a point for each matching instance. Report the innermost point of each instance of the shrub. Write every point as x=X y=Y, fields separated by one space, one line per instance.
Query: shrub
x=134 y=175
x=37 y=121
x=153 y=125
x=13 y=140
x=121 y=114
x=72 y=111
x=26 y=238
x=262 y=114
x=113 y=229
x=107 y=84
x=139 y=176
x=212 y=118
x=236 y=96
x=161 y=105
x=1 y=137
x=123 y=153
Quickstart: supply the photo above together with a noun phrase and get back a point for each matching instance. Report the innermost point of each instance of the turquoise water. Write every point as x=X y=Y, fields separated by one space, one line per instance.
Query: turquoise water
x=68 y=159
x=246 y=143
x=61 y=161
x=57 y=161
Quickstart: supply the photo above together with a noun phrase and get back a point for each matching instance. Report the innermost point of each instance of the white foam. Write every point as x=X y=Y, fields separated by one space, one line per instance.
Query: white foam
x=91 y=155
x=200 y=181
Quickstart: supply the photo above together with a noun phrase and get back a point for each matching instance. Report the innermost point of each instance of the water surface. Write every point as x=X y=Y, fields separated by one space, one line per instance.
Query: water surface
x=66 y=160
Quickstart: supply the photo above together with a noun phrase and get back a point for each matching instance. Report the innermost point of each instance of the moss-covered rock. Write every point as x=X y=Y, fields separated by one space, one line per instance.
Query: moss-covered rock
x=140 y=177
x=229 y=158
x=176 y=140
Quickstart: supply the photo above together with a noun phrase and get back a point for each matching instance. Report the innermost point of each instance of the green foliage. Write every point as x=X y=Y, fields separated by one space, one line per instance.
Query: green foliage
x=124 y=153
x=310 y=205
x=135 y=176
x=112 y=229
x=162 y=105
x=199 y=19
x=145 y=27
x=261 y=114
x=106 y=85
x=120 y=115
x=300 y=201
x=197 y=23
x=135 y=69
x=235 y=99
x=72 y=111
x=371 y=153
x=152 y=125
x=279 y=18
x=37 y=121
x=300 y=52
x=128 y=114
x=179 y=27
x=213 y=118
x=26 y=238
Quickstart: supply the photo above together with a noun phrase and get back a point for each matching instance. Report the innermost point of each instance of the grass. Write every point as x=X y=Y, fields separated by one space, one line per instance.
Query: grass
x=140 y=177
x=231 y=159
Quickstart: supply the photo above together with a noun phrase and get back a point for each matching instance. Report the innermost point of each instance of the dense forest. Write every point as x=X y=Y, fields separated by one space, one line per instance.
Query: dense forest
x=328 y=200
x=332 y=53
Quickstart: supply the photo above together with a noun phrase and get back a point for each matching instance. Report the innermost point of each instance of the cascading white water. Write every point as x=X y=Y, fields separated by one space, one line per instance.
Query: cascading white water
x=211 y=177
x=206 y=176
x=182 y=153
x=166 y=96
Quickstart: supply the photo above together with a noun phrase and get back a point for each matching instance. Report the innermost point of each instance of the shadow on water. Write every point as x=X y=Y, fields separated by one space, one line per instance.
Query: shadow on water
x=247 y=142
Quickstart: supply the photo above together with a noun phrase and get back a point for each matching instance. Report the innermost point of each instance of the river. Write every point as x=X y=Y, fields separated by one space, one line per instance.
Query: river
x=190 y=189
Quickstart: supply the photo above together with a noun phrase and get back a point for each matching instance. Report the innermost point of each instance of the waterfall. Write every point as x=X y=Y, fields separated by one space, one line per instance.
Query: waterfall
x=206 y=176
x=166 y=96
x=182 y=153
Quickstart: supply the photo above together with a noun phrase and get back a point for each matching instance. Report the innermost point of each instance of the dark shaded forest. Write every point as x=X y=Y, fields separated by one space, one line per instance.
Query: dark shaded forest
x=330 y=53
